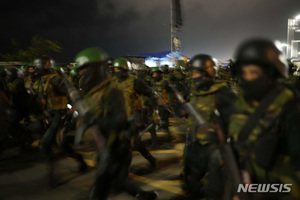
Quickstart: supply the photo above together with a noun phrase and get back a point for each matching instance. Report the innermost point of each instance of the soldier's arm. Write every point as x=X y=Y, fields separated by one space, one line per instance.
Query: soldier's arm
x=291 y=131
x=141 y=87
x=58 y=85
x=225 y=100
x=115 y=111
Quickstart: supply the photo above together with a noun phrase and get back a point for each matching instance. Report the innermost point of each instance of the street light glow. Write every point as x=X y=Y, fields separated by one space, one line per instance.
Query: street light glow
x=284 y=45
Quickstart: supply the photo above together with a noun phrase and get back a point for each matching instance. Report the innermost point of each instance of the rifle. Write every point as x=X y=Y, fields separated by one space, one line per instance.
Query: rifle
x=190 y=110
x=230 y=163
x=91 y=123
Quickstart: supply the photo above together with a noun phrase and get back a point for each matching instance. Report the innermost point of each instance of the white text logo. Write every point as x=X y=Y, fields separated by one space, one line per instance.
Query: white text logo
x=276 y=187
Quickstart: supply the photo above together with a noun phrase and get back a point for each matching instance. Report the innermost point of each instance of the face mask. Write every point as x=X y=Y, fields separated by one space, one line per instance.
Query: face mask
x=198 y=81
x=202 y=83
x=121 y=75
x=158 y=77
x=257 y=89
x=87 y=82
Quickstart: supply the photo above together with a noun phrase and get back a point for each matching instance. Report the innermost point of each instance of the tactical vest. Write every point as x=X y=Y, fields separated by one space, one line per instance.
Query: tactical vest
x=160 y=87
x=204 y=102
x=261 y=152
x=54 y=101
x=133 y=100
x=96 y=99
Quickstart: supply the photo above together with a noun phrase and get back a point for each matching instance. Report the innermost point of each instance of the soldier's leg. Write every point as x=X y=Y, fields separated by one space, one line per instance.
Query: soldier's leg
x=71 y=153
x=128 y=184
x=112 y=172
x=164 y=116
x=47 y=140
x=215 y=176
x=148 y=116
x=141 y=147
x=195 y=168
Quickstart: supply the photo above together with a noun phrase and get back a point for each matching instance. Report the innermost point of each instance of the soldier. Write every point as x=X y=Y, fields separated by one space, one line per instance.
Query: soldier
x=134 y=88
x=206 y=95
x=161 y=86
x=264 y=124
x=7 y=113
x=19 y=98
x=54 y=101
x=107 y=104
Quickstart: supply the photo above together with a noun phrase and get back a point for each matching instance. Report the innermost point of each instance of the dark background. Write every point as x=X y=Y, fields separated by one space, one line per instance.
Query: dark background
x=133 y=27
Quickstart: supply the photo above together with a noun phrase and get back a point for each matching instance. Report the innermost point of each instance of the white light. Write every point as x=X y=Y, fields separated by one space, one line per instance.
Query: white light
x=298 y=53
x=151 y=63
x=297 y=17
x=75 y=114
x=280 y=45
x=69 y=106
x=297 y=30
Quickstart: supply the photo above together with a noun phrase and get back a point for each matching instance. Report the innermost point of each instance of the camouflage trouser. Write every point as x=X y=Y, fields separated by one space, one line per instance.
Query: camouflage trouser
x=147 y=114
x=55 y=122
x=113 y=177
x=203 y=175
x=164 y=117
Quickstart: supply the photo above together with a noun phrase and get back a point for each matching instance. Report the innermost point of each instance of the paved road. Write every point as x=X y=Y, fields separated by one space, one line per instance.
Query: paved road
x=23 y=176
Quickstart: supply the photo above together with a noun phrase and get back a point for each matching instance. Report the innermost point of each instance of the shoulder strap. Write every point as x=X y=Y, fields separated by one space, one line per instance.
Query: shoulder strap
x=254 y=118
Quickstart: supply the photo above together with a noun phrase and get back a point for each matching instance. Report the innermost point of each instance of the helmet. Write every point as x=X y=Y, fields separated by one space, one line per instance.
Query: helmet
x=110 y=61
x=165 y=68
x=40 y=62
x=56 y=68
x=155 y=69
x=89 y=56
x=264 y=53
x=205 y=63
x=73 y=73
x=12 y=73
x=24 y=67
x=122 y=63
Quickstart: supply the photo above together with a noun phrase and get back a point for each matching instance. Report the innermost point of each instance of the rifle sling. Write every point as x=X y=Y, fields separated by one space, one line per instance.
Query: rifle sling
x=254 y=118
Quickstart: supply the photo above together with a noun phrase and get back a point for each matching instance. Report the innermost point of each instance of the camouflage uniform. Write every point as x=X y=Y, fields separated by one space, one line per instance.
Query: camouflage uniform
x=52 y=90
x=133 y=89
x=206 y=96
x=271 y=152
x=106 y=102
x=199 y=154
x=264 y=122
x=162 y=88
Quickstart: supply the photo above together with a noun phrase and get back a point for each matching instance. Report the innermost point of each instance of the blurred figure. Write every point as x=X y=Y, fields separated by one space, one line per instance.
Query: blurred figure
x=107 y=104
x=19 y=99
x=7 y=113
x=54 y=101
x=232 y=69
x=206 y=95
x=133 y=89
x=265 y=121
x=161 y=86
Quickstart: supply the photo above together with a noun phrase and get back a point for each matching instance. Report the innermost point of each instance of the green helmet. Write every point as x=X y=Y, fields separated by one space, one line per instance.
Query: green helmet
x=56 y=68
x=89 y=56
x=73 y=73
x=24 y=67
x=155 y=69
x=122 y=63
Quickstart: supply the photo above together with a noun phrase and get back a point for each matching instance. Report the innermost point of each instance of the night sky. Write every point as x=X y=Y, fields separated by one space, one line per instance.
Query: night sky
x=133 y=27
